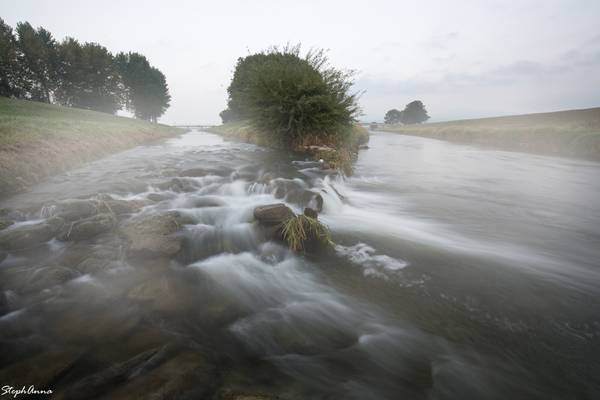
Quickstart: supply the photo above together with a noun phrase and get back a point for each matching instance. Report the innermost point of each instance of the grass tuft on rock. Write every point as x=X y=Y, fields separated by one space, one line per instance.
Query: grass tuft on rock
x=301 y=232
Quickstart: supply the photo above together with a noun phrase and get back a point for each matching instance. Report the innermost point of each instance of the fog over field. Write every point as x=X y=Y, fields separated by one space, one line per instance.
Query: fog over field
x=464 y=59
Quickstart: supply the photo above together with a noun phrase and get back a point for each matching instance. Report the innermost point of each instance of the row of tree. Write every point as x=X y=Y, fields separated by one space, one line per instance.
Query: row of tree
x=413 y=113
x=35 y=66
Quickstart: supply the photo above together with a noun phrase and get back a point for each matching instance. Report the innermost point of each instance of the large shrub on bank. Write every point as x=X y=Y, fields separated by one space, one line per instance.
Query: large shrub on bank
x=292 y=98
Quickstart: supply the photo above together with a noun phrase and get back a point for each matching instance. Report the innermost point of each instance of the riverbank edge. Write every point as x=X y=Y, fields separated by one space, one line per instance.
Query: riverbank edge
x=45 y=140
x=572 y=134
x=339 y=156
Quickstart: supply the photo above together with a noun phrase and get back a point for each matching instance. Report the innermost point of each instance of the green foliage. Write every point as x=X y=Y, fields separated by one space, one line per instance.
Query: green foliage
x=414 y=113
x=88 y=77
x=293 y=97
x=34 y=66
x=392 y=117
x=227 y=116
x=11 y=74
x=147 y=93
x=300 y=231
x=38 y=58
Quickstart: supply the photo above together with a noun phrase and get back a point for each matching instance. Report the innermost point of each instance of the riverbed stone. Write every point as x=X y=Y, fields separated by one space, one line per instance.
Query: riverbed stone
x=31 y=235
x=154 y=235
x=306 y=198
x=121 y=207
x=184 y=375
x=87 y=228
x=177 y=185
x=40 y=370
x=195 y=172
x=3 y=256
x=273 y=214
x=74 y=209
x=157 y=197
x=311 y=213
x=92 y=265
x=45 y=277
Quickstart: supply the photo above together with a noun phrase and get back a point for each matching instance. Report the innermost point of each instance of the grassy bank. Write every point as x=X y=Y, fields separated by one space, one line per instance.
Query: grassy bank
x=38 y=140
x=336 y=154
x=574 y=133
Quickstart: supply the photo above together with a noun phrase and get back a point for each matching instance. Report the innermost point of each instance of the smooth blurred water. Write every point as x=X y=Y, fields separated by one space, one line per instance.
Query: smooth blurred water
x=458 y=272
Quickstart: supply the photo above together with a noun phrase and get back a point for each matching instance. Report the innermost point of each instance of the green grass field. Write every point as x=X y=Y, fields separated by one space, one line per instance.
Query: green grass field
x=38 y=139
x=574 y=133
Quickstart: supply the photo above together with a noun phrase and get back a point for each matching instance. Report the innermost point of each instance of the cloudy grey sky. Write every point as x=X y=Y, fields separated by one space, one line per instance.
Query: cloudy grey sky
x=463 y=59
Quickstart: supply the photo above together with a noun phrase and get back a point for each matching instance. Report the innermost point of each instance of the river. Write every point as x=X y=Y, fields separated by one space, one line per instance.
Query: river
x=458 y=272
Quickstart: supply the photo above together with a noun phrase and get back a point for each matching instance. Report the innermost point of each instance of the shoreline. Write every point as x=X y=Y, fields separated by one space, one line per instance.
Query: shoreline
x=572 y=134
x=39 y=140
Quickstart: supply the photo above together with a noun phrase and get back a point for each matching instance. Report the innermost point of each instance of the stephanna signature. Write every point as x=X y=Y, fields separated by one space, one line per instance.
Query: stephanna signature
x=6 y=389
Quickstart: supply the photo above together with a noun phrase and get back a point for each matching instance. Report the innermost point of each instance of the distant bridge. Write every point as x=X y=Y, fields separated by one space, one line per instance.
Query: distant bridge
x=198 y=126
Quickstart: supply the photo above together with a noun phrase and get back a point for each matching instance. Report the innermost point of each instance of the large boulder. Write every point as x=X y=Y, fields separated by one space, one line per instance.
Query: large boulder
x=87 y=228
x=30 y=235
x=153 y=235
x=270 y=219
x=273 y=214
x=48 y=276
x=74 y=209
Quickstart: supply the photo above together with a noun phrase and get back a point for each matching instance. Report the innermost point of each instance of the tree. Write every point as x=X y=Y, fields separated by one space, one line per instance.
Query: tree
x=291 y=97
x=146 y=90
x=37 y=53
x=227 y=115
x=88 y=77
x=11 y=74
x=414 y=113
x=392 y=117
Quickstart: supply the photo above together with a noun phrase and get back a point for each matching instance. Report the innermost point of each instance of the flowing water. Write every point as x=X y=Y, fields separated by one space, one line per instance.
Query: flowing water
x=458 y=272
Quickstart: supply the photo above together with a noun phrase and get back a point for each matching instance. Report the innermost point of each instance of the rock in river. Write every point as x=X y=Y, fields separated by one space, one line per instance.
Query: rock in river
x=273 y=214
x=153 y=235
x=87 y=227
x=71 y=210
x=30 y=235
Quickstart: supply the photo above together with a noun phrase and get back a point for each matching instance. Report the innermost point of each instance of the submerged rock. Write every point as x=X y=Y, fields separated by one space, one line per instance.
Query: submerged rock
x=178 y=185
x=106 y=380
x=3 y=256
x=87 y=227
x=42 y=369
x=153 y=235
x=35 y=279
x=31 y=235
x=195 y=172
x=92 y=265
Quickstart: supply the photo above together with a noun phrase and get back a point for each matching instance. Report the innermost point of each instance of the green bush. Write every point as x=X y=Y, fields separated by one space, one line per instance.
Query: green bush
x=292 y=98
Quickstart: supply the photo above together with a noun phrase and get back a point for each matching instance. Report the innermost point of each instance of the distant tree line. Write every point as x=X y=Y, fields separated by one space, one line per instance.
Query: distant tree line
x=413 y=113
x=35 y=66
x=292 y=97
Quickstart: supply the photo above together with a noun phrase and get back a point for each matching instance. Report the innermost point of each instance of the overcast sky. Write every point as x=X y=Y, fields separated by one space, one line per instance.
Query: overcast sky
x=463 y=59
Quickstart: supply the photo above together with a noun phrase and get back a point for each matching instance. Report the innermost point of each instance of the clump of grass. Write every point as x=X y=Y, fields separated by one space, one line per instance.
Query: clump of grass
x=302 y=231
